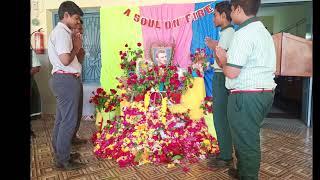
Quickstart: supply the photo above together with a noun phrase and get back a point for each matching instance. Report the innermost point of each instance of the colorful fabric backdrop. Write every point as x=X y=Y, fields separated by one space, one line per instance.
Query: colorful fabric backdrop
x=166 y=23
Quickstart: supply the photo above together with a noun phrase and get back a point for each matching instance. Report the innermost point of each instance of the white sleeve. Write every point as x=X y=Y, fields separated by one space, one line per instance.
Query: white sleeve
x=225 y=39
x=63 y=43
x=239 y=51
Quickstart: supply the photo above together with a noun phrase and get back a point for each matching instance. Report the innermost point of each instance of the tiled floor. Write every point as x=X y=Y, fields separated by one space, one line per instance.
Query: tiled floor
x=286 y=154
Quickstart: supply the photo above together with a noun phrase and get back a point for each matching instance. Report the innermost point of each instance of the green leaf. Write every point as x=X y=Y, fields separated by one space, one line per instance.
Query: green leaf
x=176 y=157
x=138 y=156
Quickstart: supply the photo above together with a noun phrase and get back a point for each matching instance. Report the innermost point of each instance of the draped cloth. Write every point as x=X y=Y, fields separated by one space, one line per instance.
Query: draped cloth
x=201 y=29
x=117 y=30
x=180 y=35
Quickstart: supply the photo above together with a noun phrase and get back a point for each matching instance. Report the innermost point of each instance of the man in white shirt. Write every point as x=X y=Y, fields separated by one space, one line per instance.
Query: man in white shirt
x=76 y=140
x=249 y=67
x=222 y=19
x=65 y=83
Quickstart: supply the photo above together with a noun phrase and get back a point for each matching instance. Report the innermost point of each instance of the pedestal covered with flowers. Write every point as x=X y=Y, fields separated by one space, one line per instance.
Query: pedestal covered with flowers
x=145 y=129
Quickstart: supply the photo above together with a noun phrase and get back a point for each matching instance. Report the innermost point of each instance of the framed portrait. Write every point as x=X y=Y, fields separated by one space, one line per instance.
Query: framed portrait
x=161 y=55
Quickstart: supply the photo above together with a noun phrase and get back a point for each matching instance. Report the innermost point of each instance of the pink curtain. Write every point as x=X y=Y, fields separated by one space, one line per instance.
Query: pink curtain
x=180 y=36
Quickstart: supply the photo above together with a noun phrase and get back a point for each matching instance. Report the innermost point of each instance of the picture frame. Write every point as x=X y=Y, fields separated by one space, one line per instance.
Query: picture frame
x=162 y=55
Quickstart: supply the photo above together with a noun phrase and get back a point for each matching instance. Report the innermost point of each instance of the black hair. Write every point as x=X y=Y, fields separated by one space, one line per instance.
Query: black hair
x=81 y=21
x=69 y=7
x=224 y=7
x=250 y=7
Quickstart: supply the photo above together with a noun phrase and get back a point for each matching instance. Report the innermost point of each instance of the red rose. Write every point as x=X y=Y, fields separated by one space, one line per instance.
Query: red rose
x=99 y=90
x=175 y=75
x=120 y=52
x=132 y=63
x=138 y=44
x=189 y=70
x=113 y=91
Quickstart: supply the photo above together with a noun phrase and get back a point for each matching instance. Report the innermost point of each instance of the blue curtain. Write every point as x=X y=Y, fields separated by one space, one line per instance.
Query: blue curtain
x=202 y=28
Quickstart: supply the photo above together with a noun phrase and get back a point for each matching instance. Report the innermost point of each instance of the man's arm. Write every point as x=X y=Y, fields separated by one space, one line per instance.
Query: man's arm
x=81 y=55
x=67 y=58
x=229 y=70
x=212 y=44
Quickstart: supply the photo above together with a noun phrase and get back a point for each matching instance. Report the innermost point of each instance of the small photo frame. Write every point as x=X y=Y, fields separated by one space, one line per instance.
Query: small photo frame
x=161 y=55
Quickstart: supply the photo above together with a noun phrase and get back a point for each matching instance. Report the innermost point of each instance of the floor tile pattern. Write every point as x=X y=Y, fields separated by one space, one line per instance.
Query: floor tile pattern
x=286 y=154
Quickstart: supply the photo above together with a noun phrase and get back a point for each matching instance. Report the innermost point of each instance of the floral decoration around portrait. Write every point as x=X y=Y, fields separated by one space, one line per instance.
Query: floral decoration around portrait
x=147 y=128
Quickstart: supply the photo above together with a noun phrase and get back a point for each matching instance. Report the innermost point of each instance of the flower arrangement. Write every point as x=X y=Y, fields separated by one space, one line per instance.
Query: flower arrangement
x=103 y=100
x=148 y=131
x=141 y=137
x=206 y=105
x=129 y=58
x=153 y=77
x=200 y=62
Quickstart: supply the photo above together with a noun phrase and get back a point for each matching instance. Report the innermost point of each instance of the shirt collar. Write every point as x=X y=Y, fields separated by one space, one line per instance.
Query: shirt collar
x=230 y=25
x=64 y=26
x=248 y=21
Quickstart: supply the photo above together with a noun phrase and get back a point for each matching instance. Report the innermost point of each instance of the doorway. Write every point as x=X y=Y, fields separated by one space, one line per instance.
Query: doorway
x=288 y=98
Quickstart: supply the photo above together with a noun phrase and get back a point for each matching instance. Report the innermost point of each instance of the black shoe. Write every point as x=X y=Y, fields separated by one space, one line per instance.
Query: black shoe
x=73 y=156
x=70 y=165
x=233 y=173
x=219 y=163
x=78 y=141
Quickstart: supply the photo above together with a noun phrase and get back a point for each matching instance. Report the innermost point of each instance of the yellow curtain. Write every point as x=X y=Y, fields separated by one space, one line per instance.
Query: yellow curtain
x=117 y=29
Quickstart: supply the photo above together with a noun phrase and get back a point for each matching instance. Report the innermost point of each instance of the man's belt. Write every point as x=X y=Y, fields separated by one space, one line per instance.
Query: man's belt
x=261 y=90
x=64 y=72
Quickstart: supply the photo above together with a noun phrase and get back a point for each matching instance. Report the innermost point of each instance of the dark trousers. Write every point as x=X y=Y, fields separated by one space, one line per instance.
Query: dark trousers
x=66 y=89
x=80 y=108
x=221 y=124
x=246 y=112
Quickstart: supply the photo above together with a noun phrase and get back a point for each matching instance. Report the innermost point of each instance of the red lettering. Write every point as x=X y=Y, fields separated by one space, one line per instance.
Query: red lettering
x=208 y=9
x=150 y=23
x=143 y=21
x=127 y=12
x=136 y=17
x=194 y=17
x=175 y=23
x=157 y=24
x=168 y=24
x=200 y=13
x=187 y=17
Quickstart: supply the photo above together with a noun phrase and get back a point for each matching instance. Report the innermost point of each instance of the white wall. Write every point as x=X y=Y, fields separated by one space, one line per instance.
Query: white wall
x=286 y=15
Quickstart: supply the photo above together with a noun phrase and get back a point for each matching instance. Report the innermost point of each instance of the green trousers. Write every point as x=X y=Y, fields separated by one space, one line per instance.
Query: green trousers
x=221 y=124
x=246 y=112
